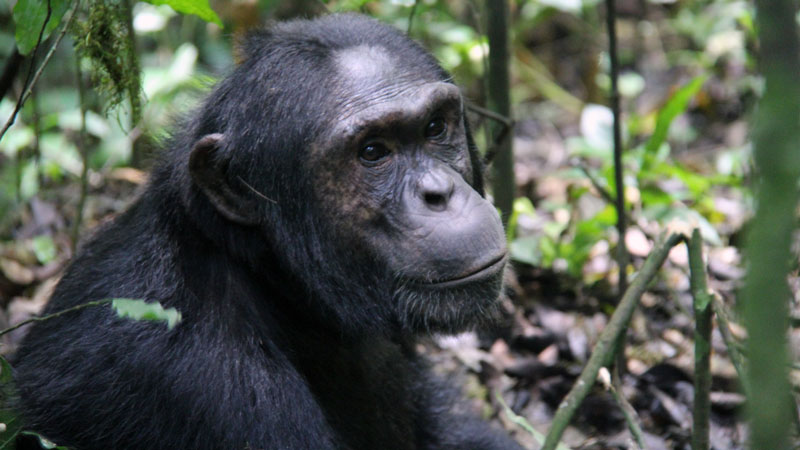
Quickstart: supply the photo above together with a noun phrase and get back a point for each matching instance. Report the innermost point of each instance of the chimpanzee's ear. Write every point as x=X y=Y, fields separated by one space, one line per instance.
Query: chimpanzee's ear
x=208 y=167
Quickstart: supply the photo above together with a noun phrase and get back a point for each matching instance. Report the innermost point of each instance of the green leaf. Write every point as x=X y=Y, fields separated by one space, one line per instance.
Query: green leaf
x=676 y=105
x=199 y=8
x=44 y=248
x=141 y=310
x=29 y=17
x=522 y=205
x=527 y=250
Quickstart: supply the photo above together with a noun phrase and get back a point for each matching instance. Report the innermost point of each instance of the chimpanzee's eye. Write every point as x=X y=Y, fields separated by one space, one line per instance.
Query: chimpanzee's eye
x=373 y=152
x=435 y=128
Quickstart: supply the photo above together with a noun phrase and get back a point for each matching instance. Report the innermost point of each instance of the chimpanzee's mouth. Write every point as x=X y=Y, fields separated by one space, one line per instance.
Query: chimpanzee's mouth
x=489 y=270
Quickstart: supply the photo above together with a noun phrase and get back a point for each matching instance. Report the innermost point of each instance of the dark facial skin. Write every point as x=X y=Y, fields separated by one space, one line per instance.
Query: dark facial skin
x=396 y=162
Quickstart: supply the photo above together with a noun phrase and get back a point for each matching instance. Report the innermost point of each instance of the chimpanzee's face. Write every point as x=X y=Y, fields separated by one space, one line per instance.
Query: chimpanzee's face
x=395 y=179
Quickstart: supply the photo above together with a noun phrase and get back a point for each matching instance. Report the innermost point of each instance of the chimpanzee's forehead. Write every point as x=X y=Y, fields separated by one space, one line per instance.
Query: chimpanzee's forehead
x=370 y=74
x=365 y=62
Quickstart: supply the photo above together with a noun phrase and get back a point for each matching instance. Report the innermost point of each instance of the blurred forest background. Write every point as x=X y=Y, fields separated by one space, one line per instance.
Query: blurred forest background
x=688 y=85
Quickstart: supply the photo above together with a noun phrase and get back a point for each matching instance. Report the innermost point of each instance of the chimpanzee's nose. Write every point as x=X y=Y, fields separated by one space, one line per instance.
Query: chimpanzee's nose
x=435 y=188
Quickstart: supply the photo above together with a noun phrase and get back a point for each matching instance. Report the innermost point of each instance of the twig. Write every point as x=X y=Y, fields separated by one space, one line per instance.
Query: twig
x=622 y=254
x=37 y=133
x=596 y=184
x=613 y=385
x=607 y=195
x=411 y=16
x=735 y=351
x=507 y=123
x=606 y=347
x=521 y=422
x=27 y=84
x=58 y=314
x=702 y=343
x=134 y=87
x=731 y=344
x=39 y=71
x=84 y=152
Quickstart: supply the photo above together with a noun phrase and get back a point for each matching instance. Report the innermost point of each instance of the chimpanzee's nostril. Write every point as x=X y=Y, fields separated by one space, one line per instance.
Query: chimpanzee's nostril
x=435 y=201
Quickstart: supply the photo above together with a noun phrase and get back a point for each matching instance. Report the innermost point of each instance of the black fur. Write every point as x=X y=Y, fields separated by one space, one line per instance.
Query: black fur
x=289 y=340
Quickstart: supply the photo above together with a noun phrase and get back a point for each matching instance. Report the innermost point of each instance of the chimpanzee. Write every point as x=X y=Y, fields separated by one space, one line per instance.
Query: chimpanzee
x=321 y=210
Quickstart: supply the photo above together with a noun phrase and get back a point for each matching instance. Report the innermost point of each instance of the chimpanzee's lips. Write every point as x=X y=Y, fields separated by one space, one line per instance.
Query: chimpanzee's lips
x=489 y=270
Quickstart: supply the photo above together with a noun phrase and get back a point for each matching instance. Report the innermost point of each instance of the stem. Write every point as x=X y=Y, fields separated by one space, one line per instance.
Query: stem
x=606 y=347
x=776 y=138
x=731 y=344
x=631 y=418
x=135 y=85
x=37 y=135
x=607 y=195
x=503 y=183
x=702 y=343
x=84 y=151
x=508 y=125
x=622 y=254
x=524 y=424
x=411 y=16
x=55 y=315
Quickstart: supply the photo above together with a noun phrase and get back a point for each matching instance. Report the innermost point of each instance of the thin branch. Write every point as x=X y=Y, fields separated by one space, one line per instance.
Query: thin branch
x=39 y=71
x=37 y=134
x=606 y=195
x=26 y=83
x=54 y=315
x=411 y=16
x=622 y=255
x=507 y=121
x=596 y=184
x=21 y=100
x=524 y=424
x=507 y=125
x=731 y=344
x=613 y=385
x=133 y=87
x=606 y=347
x=702 y=343
x=84 y=152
